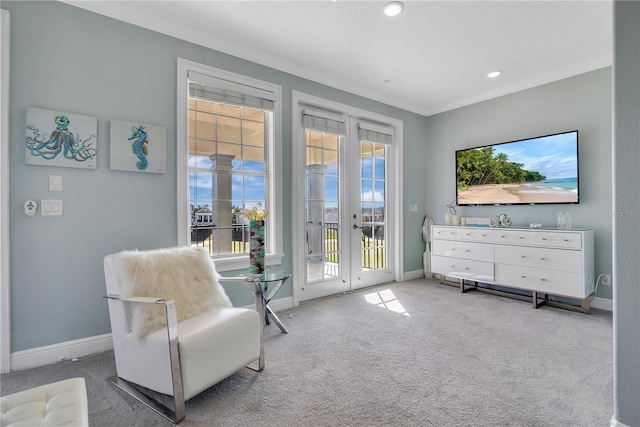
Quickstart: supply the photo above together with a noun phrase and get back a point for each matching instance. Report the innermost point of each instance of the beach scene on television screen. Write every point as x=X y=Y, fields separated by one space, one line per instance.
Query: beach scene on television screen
x=539 y=170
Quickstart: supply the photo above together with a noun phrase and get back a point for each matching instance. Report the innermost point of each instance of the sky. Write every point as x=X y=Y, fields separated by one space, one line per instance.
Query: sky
x=254 y=186
x=552 y=156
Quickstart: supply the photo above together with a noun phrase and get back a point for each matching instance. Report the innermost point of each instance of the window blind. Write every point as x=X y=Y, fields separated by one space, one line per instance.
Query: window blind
x=213 y=89
x=324 y=122
x=375 y=133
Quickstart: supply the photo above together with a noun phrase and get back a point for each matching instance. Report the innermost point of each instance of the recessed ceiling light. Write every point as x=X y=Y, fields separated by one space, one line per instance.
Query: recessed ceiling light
x=393 y=8
x=494 y=74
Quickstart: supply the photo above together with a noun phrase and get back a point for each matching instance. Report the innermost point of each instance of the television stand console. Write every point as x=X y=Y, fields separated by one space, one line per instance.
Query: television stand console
x=550 y=262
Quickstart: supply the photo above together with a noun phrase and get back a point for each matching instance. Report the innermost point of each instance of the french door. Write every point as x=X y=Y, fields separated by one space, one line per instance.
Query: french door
x=347 y=222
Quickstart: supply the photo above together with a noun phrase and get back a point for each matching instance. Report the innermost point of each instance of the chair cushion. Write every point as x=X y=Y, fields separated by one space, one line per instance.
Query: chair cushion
x=186 y=275
x=63 y=403
x=213 y=345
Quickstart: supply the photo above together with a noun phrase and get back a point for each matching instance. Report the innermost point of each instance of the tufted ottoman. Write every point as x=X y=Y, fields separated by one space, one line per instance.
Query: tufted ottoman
x=58 y=404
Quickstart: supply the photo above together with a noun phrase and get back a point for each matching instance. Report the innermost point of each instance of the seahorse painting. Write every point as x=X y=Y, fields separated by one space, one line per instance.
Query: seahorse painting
x=139 y=146
x=61 y=140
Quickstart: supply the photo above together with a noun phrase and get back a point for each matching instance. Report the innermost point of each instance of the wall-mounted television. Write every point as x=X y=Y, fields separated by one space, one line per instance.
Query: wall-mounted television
x=539 y=170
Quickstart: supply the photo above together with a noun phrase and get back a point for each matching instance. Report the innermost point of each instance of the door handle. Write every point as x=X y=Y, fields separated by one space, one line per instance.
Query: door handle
x=355 y=227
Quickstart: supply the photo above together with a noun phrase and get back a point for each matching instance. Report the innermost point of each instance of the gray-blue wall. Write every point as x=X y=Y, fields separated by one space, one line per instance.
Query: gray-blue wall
x=71 y=60
x=582 y=102
x=67 y=59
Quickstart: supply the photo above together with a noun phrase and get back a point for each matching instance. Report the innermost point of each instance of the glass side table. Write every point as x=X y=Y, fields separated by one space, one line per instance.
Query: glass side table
x=271 y=282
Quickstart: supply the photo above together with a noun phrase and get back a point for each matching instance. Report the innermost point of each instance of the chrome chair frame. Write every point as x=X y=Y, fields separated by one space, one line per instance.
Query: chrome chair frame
x=177 y=414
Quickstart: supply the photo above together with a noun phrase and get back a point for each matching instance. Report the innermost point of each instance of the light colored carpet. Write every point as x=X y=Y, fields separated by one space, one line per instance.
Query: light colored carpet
x=449 y=359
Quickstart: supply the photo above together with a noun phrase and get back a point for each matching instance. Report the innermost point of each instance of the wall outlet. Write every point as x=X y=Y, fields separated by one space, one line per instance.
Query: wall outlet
x=606 y=280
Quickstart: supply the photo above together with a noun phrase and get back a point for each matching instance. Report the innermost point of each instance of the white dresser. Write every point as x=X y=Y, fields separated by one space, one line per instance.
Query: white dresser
x=548 y=262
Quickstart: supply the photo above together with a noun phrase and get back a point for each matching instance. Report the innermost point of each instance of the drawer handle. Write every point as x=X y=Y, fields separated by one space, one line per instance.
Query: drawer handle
x=544 y=238
x=453 y=266
x=522 y=256
x=466 y=268
x=523 y=277
x=521 y=237
x=543 y=280
x=484 y=235
x=467 y=250
x=566 y=240
x=503 y=236
x=543 y=258
x=468 y=234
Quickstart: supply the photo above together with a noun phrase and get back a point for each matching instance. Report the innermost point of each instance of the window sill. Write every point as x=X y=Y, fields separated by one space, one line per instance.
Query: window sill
x=239 y=263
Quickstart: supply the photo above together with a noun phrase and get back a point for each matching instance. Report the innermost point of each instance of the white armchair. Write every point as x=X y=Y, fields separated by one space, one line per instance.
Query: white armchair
x=174 y=329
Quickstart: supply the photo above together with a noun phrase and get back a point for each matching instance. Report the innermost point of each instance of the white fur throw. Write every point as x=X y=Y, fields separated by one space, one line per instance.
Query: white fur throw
x=186 y=275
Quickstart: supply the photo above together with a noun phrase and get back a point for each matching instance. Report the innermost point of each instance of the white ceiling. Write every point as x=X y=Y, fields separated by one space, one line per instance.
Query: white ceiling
x=435 y=55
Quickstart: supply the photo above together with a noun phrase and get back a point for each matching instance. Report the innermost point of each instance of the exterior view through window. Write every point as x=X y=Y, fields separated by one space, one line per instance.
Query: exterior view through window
x=227 y=167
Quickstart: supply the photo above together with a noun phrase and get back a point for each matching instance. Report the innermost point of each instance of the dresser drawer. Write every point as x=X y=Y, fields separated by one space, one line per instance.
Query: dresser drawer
x=545 y=258
x=536 y=279
x=476 y=234
x=467 y=250
x=561 y=240
x=513 y=236
x=444 y=233
x=463 y=268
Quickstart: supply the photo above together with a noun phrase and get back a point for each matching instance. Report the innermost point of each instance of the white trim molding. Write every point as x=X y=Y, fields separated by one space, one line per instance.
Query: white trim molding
x=69 y=350
x=412 y=275
x=5 y=299
x=616 y=423
x=602 y=304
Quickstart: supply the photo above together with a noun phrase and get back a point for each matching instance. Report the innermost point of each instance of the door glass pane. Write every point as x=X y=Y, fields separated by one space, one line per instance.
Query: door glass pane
x=373 y=158
x=322 y=202
x=366 y=167
x=366 y=190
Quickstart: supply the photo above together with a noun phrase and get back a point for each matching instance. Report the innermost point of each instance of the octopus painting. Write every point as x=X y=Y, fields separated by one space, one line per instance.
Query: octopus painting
x=139 y=146
x=60 y=141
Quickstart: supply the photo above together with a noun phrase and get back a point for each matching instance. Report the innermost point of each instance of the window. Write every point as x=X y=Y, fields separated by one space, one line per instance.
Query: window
x=228 y=161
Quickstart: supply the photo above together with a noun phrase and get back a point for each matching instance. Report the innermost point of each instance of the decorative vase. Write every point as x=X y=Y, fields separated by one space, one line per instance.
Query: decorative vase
x=256 y=246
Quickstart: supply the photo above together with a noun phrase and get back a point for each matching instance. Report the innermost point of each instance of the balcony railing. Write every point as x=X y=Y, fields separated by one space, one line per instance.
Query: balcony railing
x=236 y=241
x=221 y=240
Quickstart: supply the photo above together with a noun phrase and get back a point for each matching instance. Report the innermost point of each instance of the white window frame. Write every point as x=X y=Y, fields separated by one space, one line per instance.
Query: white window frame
x=274 y=162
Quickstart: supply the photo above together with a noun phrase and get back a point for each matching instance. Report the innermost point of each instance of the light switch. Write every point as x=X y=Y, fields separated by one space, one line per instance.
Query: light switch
x=51 y=207
x=55 y=182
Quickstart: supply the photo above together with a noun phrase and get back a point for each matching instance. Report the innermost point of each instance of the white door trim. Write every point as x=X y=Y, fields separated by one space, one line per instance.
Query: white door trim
x=5 y=306
x=298 y=181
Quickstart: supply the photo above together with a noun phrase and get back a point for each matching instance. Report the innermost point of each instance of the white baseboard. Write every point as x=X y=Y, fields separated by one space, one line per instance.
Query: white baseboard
x=281 y=304
x=47 y=355
x=602 y=304
x=40 y=356
x=412 y=275
x=616 y=423
x=277 y=304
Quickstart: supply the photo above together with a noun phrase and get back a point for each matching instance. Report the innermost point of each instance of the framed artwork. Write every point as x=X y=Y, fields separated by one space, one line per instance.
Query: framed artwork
x=55 y=138
x=138 y=147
